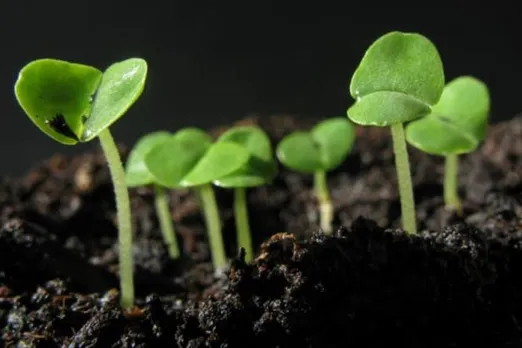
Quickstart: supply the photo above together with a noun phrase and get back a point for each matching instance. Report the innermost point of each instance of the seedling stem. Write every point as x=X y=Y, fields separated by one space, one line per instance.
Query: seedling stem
x=242 y=224
x=451 y=170
x=325 y=202
x=213 y=223
x=161 y=201
x=402 y=165
x=124 y=217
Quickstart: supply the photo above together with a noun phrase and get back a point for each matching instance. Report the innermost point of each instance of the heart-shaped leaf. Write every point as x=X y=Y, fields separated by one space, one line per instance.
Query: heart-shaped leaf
x=400 y=76
x=335 y=138
x=300 y=152
x=457 y=123
x=172 y=159
x=323 y=148
x=260 y=167
x=122 y=83
x=56 y=95
x=137 y=173
x=221 y=159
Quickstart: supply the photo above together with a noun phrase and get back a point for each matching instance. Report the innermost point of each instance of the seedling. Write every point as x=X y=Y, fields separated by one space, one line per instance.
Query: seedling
x=317 y=152
x=260 y=169
x=189 y=159
x=75 y=103
x=456 y=125
x=139 y=175
x=398 y=80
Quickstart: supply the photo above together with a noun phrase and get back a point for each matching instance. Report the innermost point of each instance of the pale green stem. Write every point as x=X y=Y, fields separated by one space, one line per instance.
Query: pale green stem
x=322 y=193
x=451 y=172
x=402 y=165
x=161 y=201
x=124 y=218
x=242 y=225
x=213 y=223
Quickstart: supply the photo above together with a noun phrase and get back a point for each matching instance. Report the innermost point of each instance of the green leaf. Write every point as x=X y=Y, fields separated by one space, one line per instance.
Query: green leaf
x=300 y=152
x=121 y=85
x=335 y=138
x=457 y=123
x=194 y=139
x=402 y=75
x=56 y=96
x=436 y=136
x=466 y=103
x=137 y=173
x=382 y=109
x=220 y=160
x=172 y=159
x=260 y=167
x=323 y=148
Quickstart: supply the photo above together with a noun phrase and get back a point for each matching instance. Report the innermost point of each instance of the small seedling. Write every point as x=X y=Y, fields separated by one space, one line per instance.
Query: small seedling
x=260 y=169
x=456 y=125
x=75 y=103
x=398 y=80
x=190 y=159
x=137 y=174
x=317 y=152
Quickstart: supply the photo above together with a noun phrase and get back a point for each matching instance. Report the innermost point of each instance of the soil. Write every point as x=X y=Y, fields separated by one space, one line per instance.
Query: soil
x=459 y=282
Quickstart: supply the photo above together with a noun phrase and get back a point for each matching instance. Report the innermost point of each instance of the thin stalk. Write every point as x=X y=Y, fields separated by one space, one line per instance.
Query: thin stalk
x=124 y=218
x=451 y=172
x=161 y=201
x=213 y=223
x=322 y=193
x=242 y=225
x=402 y=165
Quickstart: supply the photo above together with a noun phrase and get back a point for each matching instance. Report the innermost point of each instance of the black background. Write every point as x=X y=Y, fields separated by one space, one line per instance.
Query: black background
x=214 y=62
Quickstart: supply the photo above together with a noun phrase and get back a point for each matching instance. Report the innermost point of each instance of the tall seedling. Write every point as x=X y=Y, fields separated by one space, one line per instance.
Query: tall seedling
x=75 y=103
x=399 y=79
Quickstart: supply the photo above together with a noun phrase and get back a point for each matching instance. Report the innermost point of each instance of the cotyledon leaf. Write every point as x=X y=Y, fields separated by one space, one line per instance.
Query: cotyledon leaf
x=56 y=95
x=121 y=85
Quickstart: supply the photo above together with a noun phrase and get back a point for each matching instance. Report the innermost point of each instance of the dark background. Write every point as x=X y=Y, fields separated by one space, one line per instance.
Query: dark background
x=214 y=62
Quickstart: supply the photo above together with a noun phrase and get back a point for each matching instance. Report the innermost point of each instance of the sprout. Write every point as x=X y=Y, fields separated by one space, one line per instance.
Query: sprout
x=398 y=80
x=318 y=151
x=139 y=175
x=259 y=170
x=189 y=159
x=74 y=103
x=456 y=125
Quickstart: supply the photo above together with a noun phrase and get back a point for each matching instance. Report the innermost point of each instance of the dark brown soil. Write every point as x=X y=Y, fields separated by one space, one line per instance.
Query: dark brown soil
x=457 y=284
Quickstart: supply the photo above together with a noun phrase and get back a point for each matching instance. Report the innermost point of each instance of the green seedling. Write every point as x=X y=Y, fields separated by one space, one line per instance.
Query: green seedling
x=456 y=125
x=139 y=175
x=189 y=159
x=75 y=103
x=260 y=169
x=317 y=152
x=398 y=80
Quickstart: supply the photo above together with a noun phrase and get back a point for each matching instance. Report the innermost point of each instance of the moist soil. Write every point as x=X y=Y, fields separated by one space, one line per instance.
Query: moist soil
x=458 y=283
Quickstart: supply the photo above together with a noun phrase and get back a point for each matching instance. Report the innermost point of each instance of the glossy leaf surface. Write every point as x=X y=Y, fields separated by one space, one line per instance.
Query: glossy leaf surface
x=399 y=77
x=56 y=95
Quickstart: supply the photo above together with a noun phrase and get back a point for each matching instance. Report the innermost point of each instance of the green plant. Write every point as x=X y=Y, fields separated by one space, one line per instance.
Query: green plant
x=190 y=159
x=260 y=169
x=317 y=152
x=456 y=125
x=137 y=174
x=75 y=103
x=398 y=80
